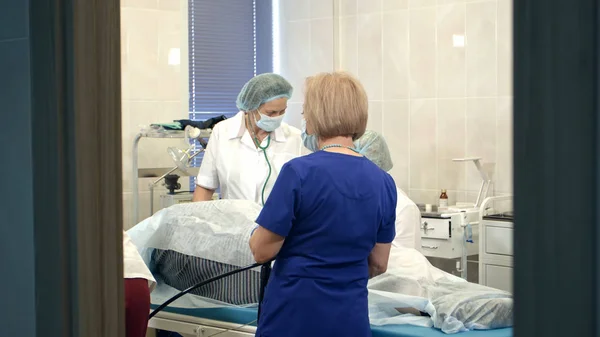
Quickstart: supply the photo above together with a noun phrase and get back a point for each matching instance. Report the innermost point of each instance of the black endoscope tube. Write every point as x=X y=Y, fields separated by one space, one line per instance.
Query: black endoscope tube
x=265 y=272
x=265 y=269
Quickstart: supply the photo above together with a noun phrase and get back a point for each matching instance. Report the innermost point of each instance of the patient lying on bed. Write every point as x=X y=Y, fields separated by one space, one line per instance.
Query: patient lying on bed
x=182 y=271
x=188 y=243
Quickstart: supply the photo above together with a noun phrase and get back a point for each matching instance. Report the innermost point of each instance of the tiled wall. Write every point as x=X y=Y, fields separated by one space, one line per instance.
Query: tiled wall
x=153 y=46
x=438 y=74
x=307 y=45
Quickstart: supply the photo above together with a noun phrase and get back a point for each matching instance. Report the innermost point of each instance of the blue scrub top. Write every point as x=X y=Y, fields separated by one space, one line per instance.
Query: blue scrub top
x=331 y=208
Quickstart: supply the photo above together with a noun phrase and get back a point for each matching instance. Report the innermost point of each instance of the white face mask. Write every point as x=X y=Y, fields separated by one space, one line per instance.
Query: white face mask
x=267 y=123
x=310 y=141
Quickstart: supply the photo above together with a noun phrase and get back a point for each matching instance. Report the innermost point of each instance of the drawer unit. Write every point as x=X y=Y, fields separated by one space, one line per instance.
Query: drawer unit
x=498 y=277
x=498 y=240
x=443 y=237
x=496 y=245
x=436 y=228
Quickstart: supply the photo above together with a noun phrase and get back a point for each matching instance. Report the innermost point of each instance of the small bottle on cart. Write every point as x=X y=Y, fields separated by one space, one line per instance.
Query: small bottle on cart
x=443 y=204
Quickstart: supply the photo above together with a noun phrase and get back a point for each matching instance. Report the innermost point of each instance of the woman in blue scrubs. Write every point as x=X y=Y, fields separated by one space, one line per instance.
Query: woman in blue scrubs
x=329 y=222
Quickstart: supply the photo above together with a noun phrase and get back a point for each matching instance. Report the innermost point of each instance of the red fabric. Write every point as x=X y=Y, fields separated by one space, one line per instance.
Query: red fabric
x=137 y=307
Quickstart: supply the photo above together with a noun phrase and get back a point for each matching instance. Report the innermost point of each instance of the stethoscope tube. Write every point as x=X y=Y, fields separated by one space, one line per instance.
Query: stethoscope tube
x=265 y=272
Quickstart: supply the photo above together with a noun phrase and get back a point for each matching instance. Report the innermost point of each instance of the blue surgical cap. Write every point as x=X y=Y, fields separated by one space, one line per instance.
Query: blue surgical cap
x=373 y=146
x=261 y=89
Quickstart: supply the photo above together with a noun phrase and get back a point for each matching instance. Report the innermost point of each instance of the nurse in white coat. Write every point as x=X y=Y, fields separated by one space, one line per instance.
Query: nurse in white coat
x=408 y=217
x=139 y=283
x=246 y=152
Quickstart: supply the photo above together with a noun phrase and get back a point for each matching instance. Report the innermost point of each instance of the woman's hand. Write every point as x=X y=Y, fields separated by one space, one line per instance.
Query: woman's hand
x=378 y=259
x=264 y=244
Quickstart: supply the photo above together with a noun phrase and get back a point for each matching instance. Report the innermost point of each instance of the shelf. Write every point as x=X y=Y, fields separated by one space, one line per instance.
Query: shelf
x=156 y=172
x=153 y=132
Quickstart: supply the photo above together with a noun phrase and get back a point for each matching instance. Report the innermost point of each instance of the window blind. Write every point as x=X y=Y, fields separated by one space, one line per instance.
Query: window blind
x=229 y=42
x=222 y=44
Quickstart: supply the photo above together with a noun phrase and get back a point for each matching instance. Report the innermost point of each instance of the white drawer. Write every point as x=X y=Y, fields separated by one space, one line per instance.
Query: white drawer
x=499 y=240
x=499 y=277
x=435 y=228
x=442 y=248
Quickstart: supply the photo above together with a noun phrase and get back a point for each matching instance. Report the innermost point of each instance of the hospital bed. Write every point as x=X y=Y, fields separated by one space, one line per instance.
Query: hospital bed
x=194 y=240
x=233 y=322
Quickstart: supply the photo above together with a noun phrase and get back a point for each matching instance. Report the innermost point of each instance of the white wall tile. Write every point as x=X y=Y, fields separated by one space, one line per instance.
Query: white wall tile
x=348 y=45
x=375 y=121
x=432 y=100
x=448 y=2
x=451 y=131
x=394 y=5
x=422 y=46
x=169 y=56
x=395 y=55
x=504 y=175
x=294 y=10
x=347 y=7
x=293 y=114
x=396 y=130
x=370 y=54
x=321 y=46
x=451 y=67
x=505 y=71
x=421 y=3
x=481 y=49
x=481 y=138
x=296 y=57
x=368 y=6
x=140 y=34
x=321 y=9
x=169 y=5
x=424 y=196
x=423 y=145
x=145 y=4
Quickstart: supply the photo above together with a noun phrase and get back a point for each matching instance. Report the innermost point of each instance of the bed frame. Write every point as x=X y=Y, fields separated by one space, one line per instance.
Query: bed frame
x=190 y=326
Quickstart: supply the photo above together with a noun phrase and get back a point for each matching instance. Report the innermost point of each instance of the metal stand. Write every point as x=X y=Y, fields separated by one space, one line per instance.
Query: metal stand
x=156 y=172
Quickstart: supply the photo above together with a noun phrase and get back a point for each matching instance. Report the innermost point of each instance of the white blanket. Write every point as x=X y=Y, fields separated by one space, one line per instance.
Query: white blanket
x=454 y=304
x=219 y=231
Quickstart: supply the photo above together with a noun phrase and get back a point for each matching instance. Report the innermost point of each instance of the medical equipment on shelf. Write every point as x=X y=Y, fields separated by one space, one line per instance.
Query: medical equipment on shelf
x=182 y=168
x=485 y=183
x=496 y=243
x=172 y=197
x=182 y=160
x=450 y=235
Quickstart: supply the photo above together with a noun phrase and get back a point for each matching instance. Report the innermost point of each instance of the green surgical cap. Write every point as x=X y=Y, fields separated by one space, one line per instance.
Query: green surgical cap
x=261 y=89
x=373 y=146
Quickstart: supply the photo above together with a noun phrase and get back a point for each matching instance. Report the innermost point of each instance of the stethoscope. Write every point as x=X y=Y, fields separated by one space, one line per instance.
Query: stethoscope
x=264 y=151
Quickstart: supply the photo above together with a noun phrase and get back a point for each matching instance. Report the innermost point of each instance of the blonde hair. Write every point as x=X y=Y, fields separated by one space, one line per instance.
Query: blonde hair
x=335 y=104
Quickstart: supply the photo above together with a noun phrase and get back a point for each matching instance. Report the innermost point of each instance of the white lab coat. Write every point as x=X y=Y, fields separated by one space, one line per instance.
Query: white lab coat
x=133 y=265
x=408 y=223
x=233 y=163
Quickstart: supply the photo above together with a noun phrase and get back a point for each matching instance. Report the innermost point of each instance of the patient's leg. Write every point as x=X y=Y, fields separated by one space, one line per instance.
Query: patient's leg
x=137 y=306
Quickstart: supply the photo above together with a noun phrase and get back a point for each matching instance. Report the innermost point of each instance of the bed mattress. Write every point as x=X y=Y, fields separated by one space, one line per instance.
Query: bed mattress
x=241 y=316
